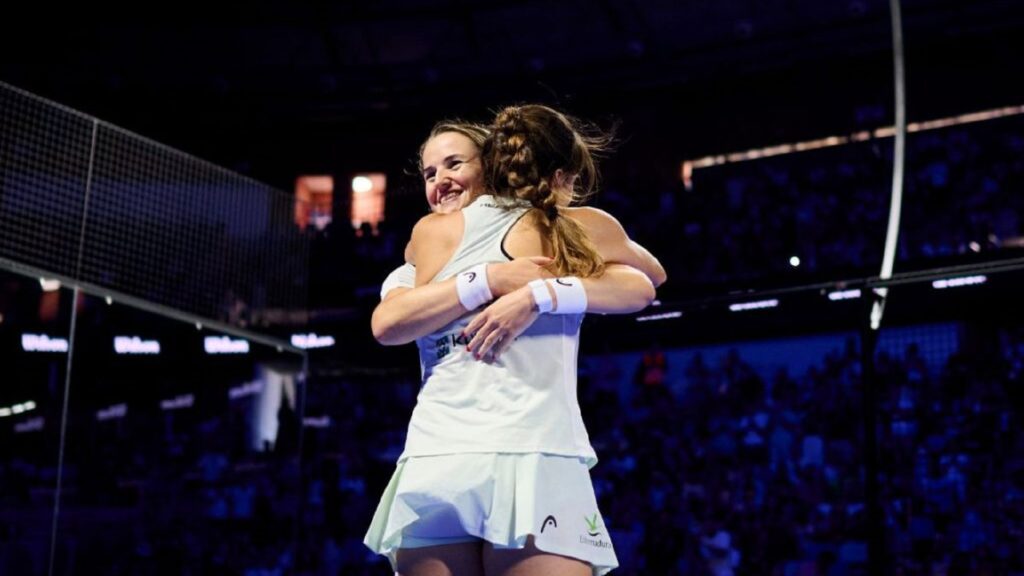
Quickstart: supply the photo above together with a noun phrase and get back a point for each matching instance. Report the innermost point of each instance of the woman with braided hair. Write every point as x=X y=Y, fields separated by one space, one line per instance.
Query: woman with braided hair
x=449 y=161
x=494 y=479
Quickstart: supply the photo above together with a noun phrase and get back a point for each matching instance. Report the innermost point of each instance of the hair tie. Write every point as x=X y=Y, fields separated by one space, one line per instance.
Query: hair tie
x=552 y=212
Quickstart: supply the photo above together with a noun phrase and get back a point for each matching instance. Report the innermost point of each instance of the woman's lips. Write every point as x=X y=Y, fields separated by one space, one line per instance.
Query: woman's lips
x=449 y=197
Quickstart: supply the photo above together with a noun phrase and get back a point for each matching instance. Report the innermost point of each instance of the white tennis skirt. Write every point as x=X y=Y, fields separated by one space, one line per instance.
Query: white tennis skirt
x=501 y=498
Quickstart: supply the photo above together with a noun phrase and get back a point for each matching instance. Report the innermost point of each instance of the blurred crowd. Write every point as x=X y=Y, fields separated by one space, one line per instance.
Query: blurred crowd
x=741 y=224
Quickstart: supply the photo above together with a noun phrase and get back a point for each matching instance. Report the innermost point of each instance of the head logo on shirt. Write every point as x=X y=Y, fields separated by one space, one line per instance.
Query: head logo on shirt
x=549 y=520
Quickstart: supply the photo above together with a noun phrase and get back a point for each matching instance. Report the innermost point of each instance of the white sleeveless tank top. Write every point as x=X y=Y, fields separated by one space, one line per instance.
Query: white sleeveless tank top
x=524 y=402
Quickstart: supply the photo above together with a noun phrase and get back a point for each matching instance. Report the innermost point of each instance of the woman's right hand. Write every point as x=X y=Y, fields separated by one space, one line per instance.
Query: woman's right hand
x=494 y=329
x=506 y=277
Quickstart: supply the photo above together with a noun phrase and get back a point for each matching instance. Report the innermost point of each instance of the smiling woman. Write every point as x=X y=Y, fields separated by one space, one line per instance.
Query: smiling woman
x=451 y=168
x=496 y=421
x=450 y=164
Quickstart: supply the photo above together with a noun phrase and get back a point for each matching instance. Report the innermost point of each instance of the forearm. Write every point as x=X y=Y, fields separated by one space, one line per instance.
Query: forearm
x=614 y=244
x=407 y=314
x=410 y=313
x=645 y=262
x=620 y=290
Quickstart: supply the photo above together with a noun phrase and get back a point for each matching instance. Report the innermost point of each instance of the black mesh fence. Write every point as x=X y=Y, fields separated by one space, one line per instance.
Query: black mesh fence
x=89 y=202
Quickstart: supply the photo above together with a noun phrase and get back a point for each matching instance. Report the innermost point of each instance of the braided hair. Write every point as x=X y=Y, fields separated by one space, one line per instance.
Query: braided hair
x=527 y=148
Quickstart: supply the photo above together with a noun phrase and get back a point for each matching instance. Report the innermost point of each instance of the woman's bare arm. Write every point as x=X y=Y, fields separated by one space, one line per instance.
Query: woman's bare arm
x=614 y=244
x=407 y=312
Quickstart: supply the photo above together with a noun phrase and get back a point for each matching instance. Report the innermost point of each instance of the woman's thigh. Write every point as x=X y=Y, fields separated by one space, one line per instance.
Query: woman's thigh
x=464 y=558
x=530 y=561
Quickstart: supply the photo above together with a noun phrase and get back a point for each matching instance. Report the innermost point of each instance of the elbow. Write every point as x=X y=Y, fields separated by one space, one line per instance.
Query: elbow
x=648 y=293
x=381 y=333
x=642 y=295
x=657 y=276
x=385 y=332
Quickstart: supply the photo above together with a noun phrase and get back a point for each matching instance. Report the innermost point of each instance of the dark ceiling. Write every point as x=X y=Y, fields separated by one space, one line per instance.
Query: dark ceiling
x=291 y=86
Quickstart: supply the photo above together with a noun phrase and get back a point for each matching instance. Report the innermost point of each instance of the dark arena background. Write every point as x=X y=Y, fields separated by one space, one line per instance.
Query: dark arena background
x=198 y=206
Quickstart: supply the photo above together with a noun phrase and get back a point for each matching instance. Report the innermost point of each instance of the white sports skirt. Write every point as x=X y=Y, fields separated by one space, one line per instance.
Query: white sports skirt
x=501 y=498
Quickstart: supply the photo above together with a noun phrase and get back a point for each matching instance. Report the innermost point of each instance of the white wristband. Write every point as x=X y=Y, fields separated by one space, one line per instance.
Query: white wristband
x=402 y=277
x=541 y=295
x=570 y=296
x=473 y=288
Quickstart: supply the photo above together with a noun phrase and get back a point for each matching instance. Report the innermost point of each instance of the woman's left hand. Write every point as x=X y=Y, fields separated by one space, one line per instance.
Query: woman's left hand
x=495 y=328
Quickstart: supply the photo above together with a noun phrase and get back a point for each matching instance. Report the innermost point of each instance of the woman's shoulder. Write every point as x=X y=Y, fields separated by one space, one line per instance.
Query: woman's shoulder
x=595 y=220
x=436 y=231
x=436 y=223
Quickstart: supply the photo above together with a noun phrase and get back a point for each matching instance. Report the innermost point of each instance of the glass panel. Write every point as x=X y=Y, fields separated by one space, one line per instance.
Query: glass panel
x=34 y=326
x=355 y=431
x=177 y=460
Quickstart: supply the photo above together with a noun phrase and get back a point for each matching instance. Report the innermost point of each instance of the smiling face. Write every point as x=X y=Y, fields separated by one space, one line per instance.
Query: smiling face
x=452 y=172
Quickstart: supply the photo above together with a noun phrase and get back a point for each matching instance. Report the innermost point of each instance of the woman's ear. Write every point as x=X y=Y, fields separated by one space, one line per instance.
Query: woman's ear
x=565 y=180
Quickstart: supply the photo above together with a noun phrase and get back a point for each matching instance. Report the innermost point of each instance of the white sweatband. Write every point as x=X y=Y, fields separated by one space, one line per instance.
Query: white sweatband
x=402 y=277
x=570 y=296
x=473 y=288
x=541 y=295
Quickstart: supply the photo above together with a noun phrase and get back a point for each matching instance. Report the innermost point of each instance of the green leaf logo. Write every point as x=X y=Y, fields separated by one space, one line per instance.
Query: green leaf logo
x=592 y=525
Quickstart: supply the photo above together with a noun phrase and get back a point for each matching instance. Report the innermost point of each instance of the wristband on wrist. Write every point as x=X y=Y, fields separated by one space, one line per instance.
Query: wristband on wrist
x=473 y=288
x=541 y=295
x=570 y=296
